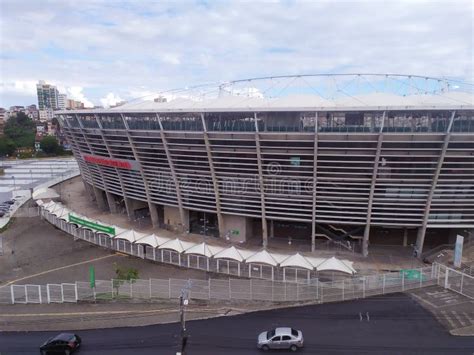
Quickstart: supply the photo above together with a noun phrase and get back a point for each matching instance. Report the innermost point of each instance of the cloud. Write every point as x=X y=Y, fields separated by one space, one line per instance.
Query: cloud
x=75 y=93
x=114 y=47
x=110 y=100
x=22 y=88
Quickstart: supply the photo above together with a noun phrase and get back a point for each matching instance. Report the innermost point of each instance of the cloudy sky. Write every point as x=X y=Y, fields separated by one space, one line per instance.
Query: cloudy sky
x=101 y=51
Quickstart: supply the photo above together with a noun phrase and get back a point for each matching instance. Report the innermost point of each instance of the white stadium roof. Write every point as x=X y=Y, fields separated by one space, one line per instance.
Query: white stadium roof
x=375 y=101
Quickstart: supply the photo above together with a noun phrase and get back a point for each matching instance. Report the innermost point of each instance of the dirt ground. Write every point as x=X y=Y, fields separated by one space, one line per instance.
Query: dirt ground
x=36 y=252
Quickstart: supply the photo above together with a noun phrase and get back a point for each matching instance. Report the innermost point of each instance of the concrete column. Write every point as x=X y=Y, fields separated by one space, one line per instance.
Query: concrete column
x=261 y=184
x=89 y=190
x=155 y=221
x=111 y=202
x=173 y=216
x=420 y=239
x=77 y=154
x=272 y=229
x=184 y=218
x=100 y=200
x=117 y=170
x=315 y=181
x=151 y=206
x=91 y=151
x=365 y=240
x=215 y=182
x=405 y=237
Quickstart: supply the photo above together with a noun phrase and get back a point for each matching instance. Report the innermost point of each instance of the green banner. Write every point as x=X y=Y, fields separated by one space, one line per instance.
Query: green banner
x=92 y=225
x=411 y=274
x=92 y=276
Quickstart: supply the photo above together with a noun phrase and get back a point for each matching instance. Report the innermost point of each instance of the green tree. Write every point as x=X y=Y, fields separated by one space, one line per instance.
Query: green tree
x=7 y=147
x=21 y=130
x=50 y=145
x=123 y=275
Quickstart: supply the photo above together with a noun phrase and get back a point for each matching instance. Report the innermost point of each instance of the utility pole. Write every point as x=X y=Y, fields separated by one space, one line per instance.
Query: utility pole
x=183 y=302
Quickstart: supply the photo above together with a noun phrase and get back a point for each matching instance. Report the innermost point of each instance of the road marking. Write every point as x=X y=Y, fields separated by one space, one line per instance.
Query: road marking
x=448 y=318
x=468 y=316
x=458 y=318
x=451 y=305
x=59 y=268
x=423 y=300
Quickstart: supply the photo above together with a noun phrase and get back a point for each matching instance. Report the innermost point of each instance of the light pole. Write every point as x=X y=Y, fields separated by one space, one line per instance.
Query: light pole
x=183 y=302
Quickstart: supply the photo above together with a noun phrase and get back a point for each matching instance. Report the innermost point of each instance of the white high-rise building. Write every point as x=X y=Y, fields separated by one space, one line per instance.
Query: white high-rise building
x=47 y=96
x=62 y=101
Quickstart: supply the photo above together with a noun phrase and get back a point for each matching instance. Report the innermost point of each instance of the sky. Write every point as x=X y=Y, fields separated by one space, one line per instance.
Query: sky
x=105 y=51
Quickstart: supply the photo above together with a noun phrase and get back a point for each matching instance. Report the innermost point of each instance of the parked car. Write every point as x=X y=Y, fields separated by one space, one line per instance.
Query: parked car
x=280 y=338
x=64 y=343
x=9 y=202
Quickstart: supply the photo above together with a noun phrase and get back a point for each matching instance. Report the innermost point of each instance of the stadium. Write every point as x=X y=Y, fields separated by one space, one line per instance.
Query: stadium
x=357 y=159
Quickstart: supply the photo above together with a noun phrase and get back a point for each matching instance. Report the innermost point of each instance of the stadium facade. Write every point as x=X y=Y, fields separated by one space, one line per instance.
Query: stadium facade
x=376 y=167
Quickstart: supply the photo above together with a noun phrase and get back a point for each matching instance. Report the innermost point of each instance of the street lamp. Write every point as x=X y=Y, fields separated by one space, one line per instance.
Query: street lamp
x=183 y=302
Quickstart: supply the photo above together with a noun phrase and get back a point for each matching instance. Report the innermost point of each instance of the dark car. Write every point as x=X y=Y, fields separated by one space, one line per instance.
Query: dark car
x=9 y=202
x=64 y=343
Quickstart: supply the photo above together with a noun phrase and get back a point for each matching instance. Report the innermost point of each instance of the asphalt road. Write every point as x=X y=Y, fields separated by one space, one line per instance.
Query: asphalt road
x=396 y=325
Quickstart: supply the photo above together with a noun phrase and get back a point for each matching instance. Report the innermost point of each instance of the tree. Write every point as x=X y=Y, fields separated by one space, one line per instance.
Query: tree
x=122 y=275
x=50 y=145
x=21 y=130
x=7 y=147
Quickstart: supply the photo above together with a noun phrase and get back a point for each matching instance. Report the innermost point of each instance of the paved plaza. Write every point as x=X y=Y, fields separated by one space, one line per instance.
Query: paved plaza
x=381 y=258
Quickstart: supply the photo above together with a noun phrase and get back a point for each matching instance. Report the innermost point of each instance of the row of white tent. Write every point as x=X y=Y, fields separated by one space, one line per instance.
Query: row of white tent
x=211 y=251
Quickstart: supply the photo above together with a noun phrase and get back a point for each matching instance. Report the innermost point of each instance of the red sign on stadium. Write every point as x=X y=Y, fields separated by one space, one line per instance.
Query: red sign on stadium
x=112 y=162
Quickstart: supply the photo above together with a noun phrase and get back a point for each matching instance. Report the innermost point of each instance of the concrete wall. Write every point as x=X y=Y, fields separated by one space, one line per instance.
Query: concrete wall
x=237 y=228
x=172 y=217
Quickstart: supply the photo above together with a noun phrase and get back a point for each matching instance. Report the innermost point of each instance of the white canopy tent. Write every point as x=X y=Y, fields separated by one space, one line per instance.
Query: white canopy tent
x=296 y=262
x=153 y=240
x=177 y=245
x=62 y=212
x=262 y=257
x=315 y=261
x=204 y=249
x=231 y=257
x=200 y=254
x=262 y=265
x=45 y=193
x=230 y=253
x=49 y=205
x=334 y=264
x=130 y=235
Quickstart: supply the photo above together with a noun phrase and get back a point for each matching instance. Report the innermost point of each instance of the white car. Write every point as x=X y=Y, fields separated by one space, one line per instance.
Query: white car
x=281 y=338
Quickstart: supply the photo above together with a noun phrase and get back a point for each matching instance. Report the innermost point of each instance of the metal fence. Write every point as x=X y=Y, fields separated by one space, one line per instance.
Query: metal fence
x=455 y=280
x=26 y=212
x=194 y=261
x=234 y=288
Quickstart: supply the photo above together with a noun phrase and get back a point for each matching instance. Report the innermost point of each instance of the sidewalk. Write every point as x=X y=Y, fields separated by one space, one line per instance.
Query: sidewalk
x=381 y=258
x=72 y=316
x=453 y=310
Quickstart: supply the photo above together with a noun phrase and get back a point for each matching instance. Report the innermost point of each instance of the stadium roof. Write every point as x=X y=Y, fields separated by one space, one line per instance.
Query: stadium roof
x=453 y=100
